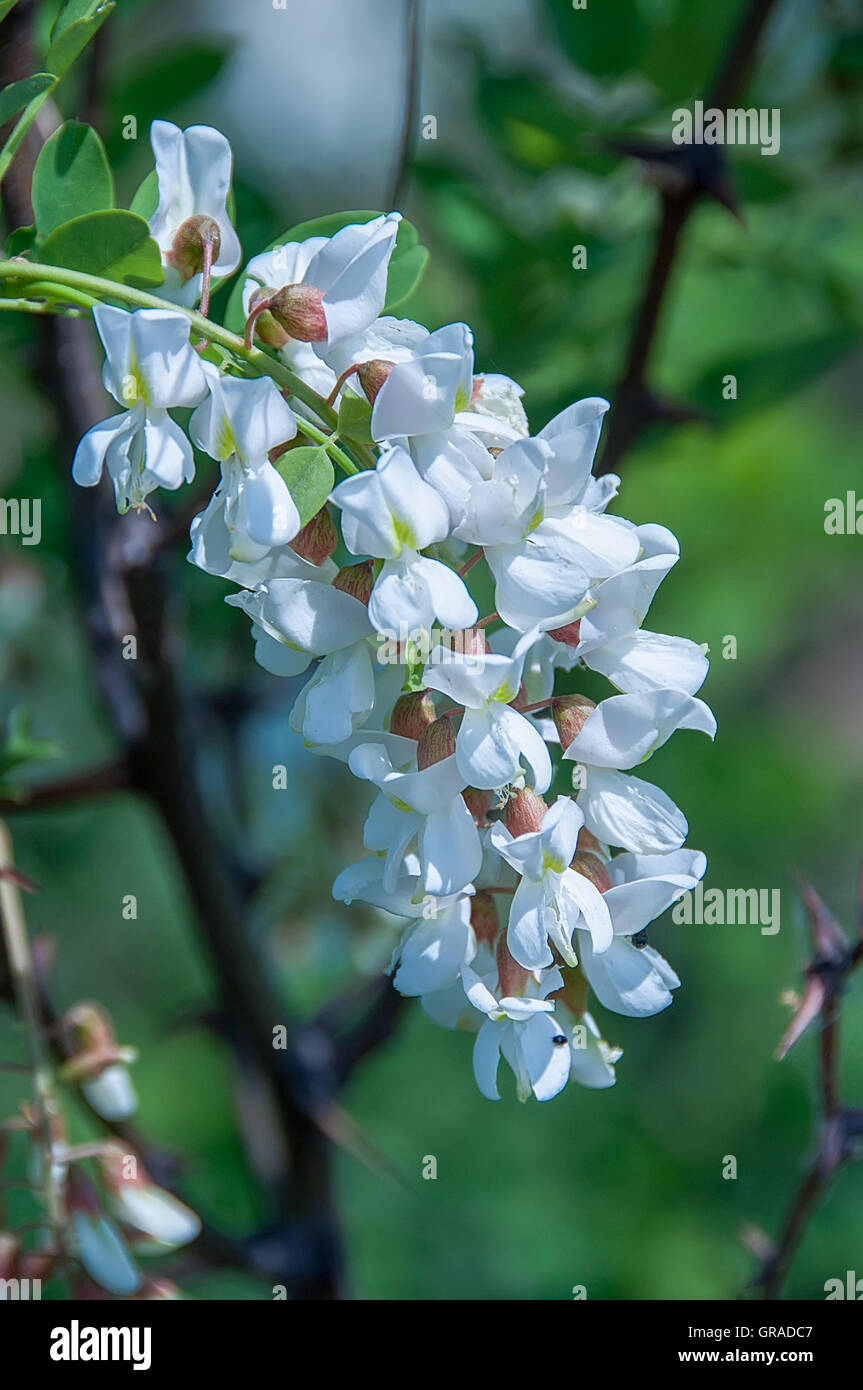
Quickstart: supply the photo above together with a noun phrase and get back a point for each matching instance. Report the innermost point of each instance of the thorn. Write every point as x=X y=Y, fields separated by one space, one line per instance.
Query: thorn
x=678 y=170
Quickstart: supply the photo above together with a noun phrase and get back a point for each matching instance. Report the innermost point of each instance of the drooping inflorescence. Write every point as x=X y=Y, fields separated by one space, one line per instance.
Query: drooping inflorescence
x=507 y=826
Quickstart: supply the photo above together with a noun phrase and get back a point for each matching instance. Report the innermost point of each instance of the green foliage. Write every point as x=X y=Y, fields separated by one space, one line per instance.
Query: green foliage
x=355 y=415
x=19 y=748
x=19 y=94
x=71 y=178
x=114 y=244
x=74 y=27
x=309 y=475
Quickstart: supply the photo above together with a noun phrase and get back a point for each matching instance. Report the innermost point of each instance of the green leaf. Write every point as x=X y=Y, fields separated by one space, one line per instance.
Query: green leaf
x=114 y=244
x=20 y=240
x=765 y=378
x=19 y=94
x=71 y=177
x=309 y=475
x=355 y=415
x=19 y=747
x=407 y=263
x=74 y=27
x=6 y=6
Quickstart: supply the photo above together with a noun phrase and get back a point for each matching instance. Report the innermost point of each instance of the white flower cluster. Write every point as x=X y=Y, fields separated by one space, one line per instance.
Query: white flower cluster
x=453 y=718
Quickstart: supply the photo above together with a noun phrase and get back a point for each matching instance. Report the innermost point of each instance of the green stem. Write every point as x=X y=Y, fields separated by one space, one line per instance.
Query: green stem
x=100 y=290
x=330 y=444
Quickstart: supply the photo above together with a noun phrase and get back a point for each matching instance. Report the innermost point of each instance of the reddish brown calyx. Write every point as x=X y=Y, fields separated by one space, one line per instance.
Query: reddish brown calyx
x=197 y=241
x=483 y=917
x=357 y=580
x=436 y=742
x=470 y=641
x=412 y=714
x=264 y=326
x=318 y=538
x=569 y=634
x=524 y=812
x=478 y=803
x=591 y=866
x=512 y=977
x=570 y=713
x=299 y=310
x=372 y=376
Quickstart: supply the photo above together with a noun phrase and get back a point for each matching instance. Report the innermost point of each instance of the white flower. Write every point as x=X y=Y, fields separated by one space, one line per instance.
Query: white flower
x=433 y=950
x=552 y=900
x=644 y=885
x=592 y=1059
x=504 y=507
x=426 y=806
x=392 y=514
x=423 y=393
x=525 y=1031
x=495 y=743
x=193 y=168
x=543 y=580
x=295 y=620
x=618 y=734
x=149 y=367
x=347 y=270
x=237 y=424
x=500 y=398
x=632 y=980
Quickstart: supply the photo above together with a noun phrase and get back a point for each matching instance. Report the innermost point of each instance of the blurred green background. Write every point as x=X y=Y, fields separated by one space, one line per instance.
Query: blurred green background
x=622 y=1190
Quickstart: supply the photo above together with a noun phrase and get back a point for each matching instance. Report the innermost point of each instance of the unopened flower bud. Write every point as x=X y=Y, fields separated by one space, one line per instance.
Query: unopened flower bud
x=187 y=250
x=356 y=580
x=570 y=714
x=478 y=803
x=318 y=538
x=569 y=634
x=483 y=917
x=98 y=1065
x=372 y=376
x=299 y=309
x=8 y=1254
x=139 y=1203
x=524 y=812
x=412 y=714
x=588 y=842
x=511 y=976
x=437 y=742
x=266 y=327
x=591 y=866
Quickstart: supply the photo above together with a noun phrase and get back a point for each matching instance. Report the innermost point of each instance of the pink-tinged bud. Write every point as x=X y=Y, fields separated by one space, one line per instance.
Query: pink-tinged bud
x=483 y=917
x=412 y=714
x=524 y=812
x=511 y=976
x=299 y=309
x=570 y=714
x=139 y=1203
x=356 y=580
x=588 y=842
x=187 y=249
x=266 y=327
x=98 y=1064
x=478 y=803
x=470 y=641
x=574 y=992
x=318 y=538
x=437 y=742
x=156 y=1289
x=569 y=634
x=8 y=1254
x=591 y=866
x=372 y=376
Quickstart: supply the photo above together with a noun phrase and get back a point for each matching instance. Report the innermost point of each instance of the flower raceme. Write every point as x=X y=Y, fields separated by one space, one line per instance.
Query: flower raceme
x=507 y=832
